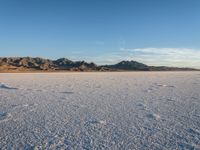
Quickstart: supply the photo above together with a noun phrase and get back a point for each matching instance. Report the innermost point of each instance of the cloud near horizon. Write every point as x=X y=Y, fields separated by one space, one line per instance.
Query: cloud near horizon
x=180 y=57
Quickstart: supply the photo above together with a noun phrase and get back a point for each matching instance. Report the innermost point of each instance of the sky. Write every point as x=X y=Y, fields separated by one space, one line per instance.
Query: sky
x=155 y=32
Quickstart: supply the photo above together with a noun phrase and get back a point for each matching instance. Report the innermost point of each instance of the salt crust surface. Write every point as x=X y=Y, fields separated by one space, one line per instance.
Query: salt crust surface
x=116 y=110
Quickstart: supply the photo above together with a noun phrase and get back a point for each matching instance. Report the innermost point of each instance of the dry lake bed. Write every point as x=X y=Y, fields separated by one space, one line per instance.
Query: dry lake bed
x=116 y=110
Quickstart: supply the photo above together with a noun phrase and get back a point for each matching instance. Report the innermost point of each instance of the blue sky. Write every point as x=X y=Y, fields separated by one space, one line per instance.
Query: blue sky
x=156 y=32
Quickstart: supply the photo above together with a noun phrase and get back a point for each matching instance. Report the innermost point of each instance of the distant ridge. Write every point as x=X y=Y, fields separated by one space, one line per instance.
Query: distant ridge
x=128 y=65
x=29 y=64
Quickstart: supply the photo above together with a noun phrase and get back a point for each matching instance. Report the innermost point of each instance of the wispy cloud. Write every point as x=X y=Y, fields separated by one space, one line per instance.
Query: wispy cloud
x=180 y=57
x=183 y=57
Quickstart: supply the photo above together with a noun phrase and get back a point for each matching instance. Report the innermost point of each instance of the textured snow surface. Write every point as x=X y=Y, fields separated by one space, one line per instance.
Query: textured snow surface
x=125 y=110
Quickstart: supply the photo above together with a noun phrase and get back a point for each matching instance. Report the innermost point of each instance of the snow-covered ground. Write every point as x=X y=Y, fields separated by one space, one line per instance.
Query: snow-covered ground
x=124 y=110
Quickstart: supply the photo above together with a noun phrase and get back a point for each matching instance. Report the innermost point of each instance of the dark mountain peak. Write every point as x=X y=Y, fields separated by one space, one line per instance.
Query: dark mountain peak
x=63 y=60
x=129 y=65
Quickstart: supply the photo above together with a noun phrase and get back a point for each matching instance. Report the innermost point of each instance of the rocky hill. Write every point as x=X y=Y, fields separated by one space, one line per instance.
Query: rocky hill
x=128 y=65
x=24 y=64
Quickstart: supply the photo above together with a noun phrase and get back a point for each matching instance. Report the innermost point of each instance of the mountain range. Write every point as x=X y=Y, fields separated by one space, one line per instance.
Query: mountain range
x=29 y=64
